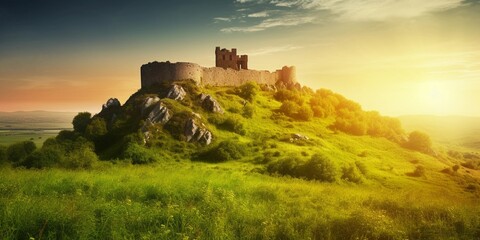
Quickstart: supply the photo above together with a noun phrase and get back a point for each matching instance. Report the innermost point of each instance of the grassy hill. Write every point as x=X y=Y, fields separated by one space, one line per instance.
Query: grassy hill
x=291 y=164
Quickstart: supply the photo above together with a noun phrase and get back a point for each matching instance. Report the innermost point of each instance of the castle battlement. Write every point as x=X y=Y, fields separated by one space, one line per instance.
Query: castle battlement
x=155 y=73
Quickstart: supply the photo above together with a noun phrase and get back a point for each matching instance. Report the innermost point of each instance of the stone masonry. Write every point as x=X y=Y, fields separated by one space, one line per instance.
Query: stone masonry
x=155 y=73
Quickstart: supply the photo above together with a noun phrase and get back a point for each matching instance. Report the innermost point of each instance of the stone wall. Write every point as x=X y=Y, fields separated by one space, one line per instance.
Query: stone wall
x=158 y=72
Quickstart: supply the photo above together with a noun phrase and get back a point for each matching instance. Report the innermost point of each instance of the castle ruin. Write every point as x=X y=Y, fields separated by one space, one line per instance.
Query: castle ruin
x=229 y=71
x=230 y=59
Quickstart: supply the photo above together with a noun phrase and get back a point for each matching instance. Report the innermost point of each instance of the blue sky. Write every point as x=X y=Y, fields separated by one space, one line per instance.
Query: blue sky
x=395 y=56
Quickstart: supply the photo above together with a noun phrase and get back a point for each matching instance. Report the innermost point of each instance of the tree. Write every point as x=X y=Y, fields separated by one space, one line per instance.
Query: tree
x=19 y=151
x=81 y=121
x=305 y=113
x=419 y=141
x=96 y=128
x=289 y=108
x=248 y=91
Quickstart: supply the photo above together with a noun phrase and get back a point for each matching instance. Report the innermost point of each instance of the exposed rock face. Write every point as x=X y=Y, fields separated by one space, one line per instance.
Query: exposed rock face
x=111 y=103
x=159 y=114
x=176 y=92
x=210 y=104
x=195 y=133
x=147 y=103
x=297 y=136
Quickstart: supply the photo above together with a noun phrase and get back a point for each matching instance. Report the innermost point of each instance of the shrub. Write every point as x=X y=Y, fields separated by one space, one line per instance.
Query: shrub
x=352 y=174
x=418 y=172
x=96 y=128
x=138 y=154
x=224 y=151
x=248 y=110
x=287 y=166
x=43 y=158
x=419 y=141
x=472 y=164
x=288 y=95
x=455 y=168
x=230 y=123
x=19 y=151
x=304 y=113
x=248 y=91
x=83 y=158
x=289 y=108
x=234 y=124
x=319 y=167
x=81 y=121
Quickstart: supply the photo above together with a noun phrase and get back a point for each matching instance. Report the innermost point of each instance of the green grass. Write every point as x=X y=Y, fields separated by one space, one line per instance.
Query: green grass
x=183 y=200
x=8 y=137
x=179 y=199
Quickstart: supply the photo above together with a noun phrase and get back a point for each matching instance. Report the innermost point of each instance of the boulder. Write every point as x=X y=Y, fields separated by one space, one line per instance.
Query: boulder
x=176 y=92
x=159 y=114
x=210 y=104
x=297 y=136
x=195 y=133
x=149 y=101
x=111 y=103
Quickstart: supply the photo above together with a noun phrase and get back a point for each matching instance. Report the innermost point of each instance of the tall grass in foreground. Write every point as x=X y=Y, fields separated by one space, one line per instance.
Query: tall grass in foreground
x=200 y=201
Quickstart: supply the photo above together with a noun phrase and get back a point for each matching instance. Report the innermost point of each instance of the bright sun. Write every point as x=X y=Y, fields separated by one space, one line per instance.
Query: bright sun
x=436 y=96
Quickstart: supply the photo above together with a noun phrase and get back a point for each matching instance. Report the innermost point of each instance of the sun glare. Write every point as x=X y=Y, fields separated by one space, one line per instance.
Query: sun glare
x=437 y=96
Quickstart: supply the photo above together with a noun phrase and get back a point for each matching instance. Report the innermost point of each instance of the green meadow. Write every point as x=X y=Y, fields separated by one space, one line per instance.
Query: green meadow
x=226 y=201
x=286 y=165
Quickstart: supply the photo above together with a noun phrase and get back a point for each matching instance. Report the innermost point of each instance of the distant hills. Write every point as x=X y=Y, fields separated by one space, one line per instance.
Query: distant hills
x=453 y=130
x=36 y=120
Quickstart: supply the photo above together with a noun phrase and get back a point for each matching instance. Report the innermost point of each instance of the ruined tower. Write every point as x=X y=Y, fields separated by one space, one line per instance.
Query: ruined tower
x=229 y=59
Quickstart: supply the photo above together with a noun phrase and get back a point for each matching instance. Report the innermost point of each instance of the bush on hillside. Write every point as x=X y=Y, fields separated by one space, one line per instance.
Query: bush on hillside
x=418 y=172
x=352 y=174
x=289 y=108
x=248 y=110
x=43 y=158
x=304 y=113
x=83 y=158
x=17 y=152
x=248 y=91
x=96 y=128
x=419 y=141
x=138 y=154
x=234 y=124
x=231 y=123
x=318 y=167
x=289 y=95
x=81 y=121
x=224 y=151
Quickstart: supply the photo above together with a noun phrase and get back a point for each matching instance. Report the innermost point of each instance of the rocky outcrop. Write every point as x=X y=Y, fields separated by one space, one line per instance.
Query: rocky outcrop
x=210 y=104
x=176 y=92
x=159 y=114
x=149 y=101
x=195 y=133
x=111 y=103
x=297 y=137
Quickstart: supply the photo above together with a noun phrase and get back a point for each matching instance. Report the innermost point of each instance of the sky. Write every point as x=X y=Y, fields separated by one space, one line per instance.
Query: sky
x=399 y=57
